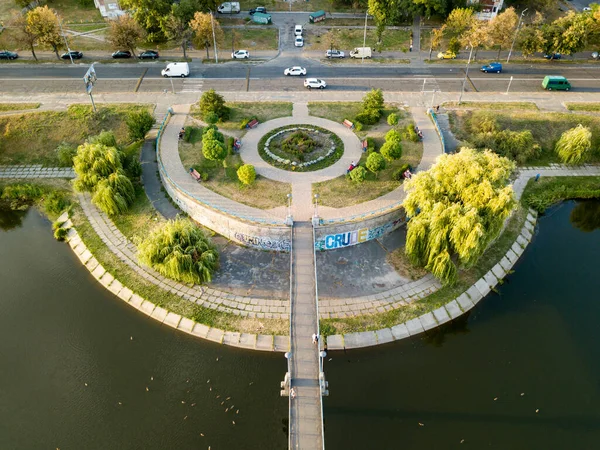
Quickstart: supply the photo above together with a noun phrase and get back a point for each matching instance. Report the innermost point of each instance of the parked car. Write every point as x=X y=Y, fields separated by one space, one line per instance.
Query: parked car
x=121 y=54
x=587 y=9
x=74 y=55
x=299 y=41
x=148 y=54
x=314 y=83
x=240 y=54
x=446 y=55
x=361 y=52
x=181 y=69
x=298 y=30
x=296 y=70
x=258 y=9
x=334 y=54
x=492 y=67
x=552 y=56
x=595 y=55
x=5 y=54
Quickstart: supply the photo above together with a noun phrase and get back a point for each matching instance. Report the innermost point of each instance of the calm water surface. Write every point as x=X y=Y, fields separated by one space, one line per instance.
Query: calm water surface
x=478 y=381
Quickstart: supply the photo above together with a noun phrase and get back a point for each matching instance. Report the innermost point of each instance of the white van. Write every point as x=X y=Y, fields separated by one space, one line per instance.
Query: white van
x=360 y=52
x=298 y=30
x=229 y=8
x=180 y=69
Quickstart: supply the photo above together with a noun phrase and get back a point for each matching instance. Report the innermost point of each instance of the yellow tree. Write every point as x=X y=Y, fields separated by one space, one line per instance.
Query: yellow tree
x=501 y=29
x=456 y=209
x=475 y=35
x=125 y=34
x=437 y=34
x=43 y=23
x=202 y=26
x=24 y=35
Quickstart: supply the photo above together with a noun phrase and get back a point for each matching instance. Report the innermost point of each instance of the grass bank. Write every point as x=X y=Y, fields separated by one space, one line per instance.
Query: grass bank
x=349 y=38
x=547 y=191
x=239 y=111
x=466 y=278
x=32 y=138
x=583 y=106
x=263 y=193
x=496 y=106
x=266 y=38
x=18 y=106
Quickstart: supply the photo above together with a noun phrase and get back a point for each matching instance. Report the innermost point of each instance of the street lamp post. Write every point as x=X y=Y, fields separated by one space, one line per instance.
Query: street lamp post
x=365 y=36
x=289 y=220
x=214 y=38
x=516 y=34
x=462 y=91
x=64 y=37
x=315 y=219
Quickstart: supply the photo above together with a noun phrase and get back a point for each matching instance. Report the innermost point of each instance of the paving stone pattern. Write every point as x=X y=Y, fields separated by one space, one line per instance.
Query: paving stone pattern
x=36 y=171
x=249 y=307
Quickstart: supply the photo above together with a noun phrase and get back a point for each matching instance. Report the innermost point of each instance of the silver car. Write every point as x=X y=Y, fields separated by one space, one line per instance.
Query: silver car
x=335 y=54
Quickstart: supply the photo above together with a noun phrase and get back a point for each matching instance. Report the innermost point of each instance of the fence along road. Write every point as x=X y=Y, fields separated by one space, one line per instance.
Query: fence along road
x=306 y=411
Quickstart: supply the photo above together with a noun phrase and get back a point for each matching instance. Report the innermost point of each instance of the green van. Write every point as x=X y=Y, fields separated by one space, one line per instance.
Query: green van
x=556 y=83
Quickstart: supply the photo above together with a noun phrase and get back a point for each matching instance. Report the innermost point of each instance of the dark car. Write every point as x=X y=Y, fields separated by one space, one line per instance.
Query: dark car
x=149 y=54
x=74 y=55
x=552 y=56
x=5 y=54
x=121 y=54
x=258 y=9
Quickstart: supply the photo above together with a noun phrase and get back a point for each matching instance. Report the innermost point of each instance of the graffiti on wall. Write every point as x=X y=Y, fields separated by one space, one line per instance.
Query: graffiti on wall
x=264 y=243
x=349 y=238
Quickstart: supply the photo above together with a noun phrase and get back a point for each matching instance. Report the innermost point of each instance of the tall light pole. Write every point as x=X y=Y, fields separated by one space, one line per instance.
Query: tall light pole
x=214 y=38
x=462 y=91
x=516 y=34
x=64 y=37
x=365 y=36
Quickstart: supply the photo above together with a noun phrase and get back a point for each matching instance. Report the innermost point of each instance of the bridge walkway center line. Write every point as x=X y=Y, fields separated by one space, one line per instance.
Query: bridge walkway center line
x=306 y=432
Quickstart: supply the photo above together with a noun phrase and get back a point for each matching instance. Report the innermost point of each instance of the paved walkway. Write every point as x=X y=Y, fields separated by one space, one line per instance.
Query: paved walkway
x=36 y=171
x=151 y=180
x=306 y=430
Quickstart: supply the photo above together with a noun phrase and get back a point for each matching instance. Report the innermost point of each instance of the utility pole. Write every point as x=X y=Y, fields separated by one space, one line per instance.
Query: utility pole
x=466 y=74
x=65 y=38
x=365 y=36
x=516 y=34
x=212 y=24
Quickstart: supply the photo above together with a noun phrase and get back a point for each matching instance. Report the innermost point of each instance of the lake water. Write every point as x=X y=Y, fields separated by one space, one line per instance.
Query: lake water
x=479 y=380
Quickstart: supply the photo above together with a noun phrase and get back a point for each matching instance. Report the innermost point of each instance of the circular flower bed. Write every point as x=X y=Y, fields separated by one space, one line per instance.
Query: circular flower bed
x=301 y=148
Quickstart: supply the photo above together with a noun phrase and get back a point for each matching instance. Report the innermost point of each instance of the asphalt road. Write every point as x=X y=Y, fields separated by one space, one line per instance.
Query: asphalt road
x=268 y=76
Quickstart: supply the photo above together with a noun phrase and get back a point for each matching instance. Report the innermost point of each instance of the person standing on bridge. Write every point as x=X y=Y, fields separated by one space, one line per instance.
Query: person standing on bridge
x=315 y=338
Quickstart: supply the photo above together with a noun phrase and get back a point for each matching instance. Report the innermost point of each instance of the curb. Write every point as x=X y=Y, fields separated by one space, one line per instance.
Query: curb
x=261 y=342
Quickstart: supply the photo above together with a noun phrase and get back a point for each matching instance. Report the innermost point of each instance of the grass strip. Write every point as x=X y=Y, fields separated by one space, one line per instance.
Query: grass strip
x=497 y=106
x=583 y=106
x=18 y=106
x=547 y=191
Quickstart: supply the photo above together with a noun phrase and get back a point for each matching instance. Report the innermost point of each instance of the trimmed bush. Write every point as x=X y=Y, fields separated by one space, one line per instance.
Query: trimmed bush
x=60 y=234
x=181 y=251
x=139 y=123
x=246 y=174
x=211 y=102
x=358 y=174
x=393 y=136
x=358 y=126
x=409 y=133
x=373 y=100
x=392 y=119
x=391 y=150
x=375 y=163
x=213 y=150
x=368 y=116
x=65 y=153
x=211 y=118
x=211 y=132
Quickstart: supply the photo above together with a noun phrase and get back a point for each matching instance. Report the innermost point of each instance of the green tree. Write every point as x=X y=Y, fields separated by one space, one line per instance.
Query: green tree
x=114 y=194
x=572 y=32
x=456 y=209
x=150 y=15
x=375 y=163
x=176 y=25
x=211 y=102
x=531 y=40
x=181 y=251
x=93 y=163
x=246 y=174
x=574 y=145
x=501 y=29
x=202 y=26
x=42 y=22
x=125 y=33
x=358 y=174
x=373 y=100
x=139 y=123
x=437 y=35
x=213 y=150
x=392 y=119
x=391 y=150
x=25 y=35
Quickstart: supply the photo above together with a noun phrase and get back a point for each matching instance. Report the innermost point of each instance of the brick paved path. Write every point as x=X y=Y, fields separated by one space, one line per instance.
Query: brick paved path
x=36 y=171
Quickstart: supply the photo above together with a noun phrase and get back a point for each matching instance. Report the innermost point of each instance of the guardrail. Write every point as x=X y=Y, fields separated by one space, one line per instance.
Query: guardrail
x=164 y=174
x=433 y=117
x=358 y=217
x=321 y=371
x=289 y=367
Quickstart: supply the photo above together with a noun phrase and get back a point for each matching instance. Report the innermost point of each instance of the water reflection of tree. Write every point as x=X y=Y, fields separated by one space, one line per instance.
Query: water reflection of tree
x=10 y=219
x=586 y=215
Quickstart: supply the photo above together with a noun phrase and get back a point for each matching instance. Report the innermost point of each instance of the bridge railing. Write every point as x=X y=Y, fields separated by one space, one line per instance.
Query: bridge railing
x=321 y=370
x=289 y=367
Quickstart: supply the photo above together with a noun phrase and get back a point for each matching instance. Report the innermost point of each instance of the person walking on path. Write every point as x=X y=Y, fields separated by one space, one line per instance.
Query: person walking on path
x=293 y=393
x=315 y=338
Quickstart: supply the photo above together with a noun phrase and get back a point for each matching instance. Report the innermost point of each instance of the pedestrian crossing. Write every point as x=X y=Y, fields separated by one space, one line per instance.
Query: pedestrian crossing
x=192 y=85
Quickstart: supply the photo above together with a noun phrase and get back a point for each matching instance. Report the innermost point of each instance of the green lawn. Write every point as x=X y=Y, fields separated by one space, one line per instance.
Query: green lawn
x=263 y=111
x=583 y=106
x=347 y=39
x=495 y=106
x=341 y=192
x=18 y=106
x=336 y=111
x=264 y=193
x=249 y=39
x=32 y=138
x=546 y=128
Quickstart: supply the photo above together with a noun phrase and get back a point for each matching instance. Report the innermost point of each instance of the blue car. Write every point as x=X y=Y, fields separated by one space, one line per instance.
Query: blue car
x=492 y=67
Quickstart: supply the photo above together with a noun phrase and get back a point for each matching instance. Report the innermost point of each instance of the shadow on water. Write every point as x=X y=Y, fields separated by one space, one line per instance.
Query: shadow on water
x=10 y=218
x=585 y=216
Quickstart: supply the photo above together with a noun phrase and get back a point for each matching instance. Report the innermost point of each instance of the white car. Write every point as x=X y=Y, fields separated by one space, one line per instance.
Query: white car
x=314 y=83
x=334 y=54
x=240 y=54
x=298 y=30
x=587 y=9
x=296 y=70
x=299 y=41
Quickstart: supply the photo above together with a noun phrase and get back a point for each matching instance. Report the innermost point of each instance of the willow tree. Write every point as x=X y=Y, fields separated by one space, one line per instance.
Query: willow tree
x=574 y=145
x=456 y=209
x=93 y=163
x=181 y=251
x=114 y=194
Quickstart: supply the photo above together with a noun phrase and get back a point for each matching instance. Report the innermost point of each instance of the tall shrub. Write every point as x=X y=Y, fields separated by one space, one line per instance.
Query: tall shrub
x=574 y=145
x=246 y=174
x=139 y=123
x=211 y=102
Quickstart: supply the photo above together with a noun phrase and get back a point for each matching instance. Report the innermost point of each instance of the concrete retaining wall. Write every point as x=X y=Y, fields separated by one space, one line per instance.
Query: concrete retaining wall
x=338 y=235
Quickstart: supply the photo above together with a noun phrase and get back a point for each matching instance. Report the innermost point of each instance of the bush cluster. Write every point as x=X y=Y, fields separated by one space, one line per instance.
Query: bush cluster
x=409 y=133
x=212 y=104
x=139 y=123
x=372 y=109
x=299 y=143
x=392 y=148
x=213 y=144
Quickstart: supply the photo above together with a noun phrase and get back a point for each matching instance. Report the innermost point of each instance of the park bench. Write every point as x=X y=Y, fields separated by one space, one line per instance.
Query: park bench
x=252 y=124
x=365 y=145
x=348 y=124
x=195 y=175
